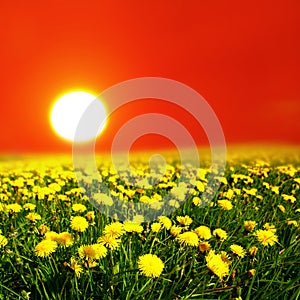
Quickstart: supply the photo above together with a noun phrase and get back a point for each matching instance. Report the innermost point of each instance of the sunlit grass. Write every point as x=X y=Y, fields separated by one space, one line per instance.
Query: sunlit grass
x=62 y=247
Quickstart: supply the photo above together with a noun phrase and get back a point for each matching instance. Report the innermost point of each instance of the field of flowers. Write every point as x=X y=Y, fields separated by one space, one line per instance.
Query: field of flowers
x=243 y=244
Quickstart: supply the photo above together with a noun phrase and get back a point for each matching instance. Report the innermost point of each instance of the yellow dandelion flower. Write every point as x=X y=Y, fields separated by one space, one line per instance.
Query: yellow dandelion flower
x=55 y=187
x=2 y=207
x=104 y=173
x=251 y=272
x=43 y=228
x=3 y=240
x=228 y=194
x=266 y=237
x=197 y=201
x=292 y=222
x=51 y=235
x=225 y=257
x=281 y=207
x=188 y=238
x=121 y=188
x=165 y=221
x=238 y=250
x=216 y=265
x=112 y=179
x=186 y=220
x=267 y=185
x=220 y=233
x=133 y=227
x=203 y=232
x=204 y=246
x=79 y=223
x=63 y=198
x=201 y=174
x=253 y=250
x=145 y=199
x=45 y=248
x=250 y=225
x=200 y=186
x=270 y=227
x=90 y=263
x=224 y=180
x=32 y=217
x=65 y=238
x=18 y=182
x=225 y=204
x=156 y=226
x=15 y=207
x=288 y=198
x=29 y=206
x=251 y=192
x=91 y=252
x=109 y=241
x=150 y=265
x=275 y=189
x=129 y=193
x=157 y=197
x=78 y=207
x=90 y=215
x=116 y=194
x=114 y=229
x=175 y=230
x=162 y=186
x=76 y=267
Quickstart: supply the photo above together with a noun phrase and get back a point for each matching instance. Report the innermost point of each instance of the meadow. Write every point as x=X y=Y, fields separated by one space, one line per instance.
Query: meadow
x=241 y=244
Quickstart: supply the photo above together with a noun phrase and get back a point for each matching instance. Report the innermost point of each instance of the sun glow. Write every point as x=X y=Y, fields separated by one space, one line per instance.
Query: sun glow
x=67 y=112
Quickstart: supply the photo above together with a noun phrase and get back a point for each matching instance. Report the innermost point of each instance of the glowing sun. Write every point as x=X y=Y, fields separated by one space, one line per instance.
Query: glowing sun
x=67 y=112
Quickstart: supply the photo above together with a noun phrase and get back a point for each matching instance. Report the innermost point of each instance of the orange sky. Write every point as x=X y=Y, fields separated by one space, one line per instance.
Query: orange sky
x=242 y=56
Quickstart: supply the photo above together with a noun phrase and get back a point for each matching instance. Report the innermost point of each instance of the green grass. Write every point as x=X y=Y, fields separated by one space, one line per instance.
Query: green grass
x=23 y=275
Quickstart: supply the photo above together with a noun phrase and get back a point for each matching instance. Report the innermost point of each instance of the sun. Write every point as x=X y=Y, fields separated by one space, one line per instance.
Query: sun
x=67 y=111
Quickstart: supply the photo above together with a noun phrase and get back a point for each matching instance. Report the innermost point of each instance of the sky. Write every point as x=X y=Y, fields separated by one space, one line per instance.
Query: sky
x=241 y=56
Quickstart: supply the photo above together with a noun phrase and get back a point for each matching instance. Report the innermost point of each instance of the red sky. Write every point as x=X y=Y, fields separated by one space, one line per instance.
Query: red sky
x=242 y=56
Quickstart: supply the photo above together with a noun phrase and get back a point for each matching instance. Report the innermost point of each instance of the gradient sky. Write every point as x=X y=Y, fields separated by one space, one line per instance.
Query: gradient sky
x=242 y=56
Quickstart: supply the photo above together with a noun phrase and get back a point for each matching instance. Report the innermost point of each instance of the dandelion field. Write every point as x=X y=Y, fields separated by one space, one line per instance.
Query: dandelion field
x=243 y=244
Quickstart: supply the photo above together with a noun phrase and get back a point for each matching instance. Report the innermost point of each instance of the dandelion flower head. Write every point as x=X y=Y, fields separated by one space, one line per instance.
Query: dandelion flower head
x=203 y=232
x=79 y=223
x=45 y=248
x=266 y=237
x=188 y=238
x=238 y=250
x=150 y=265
